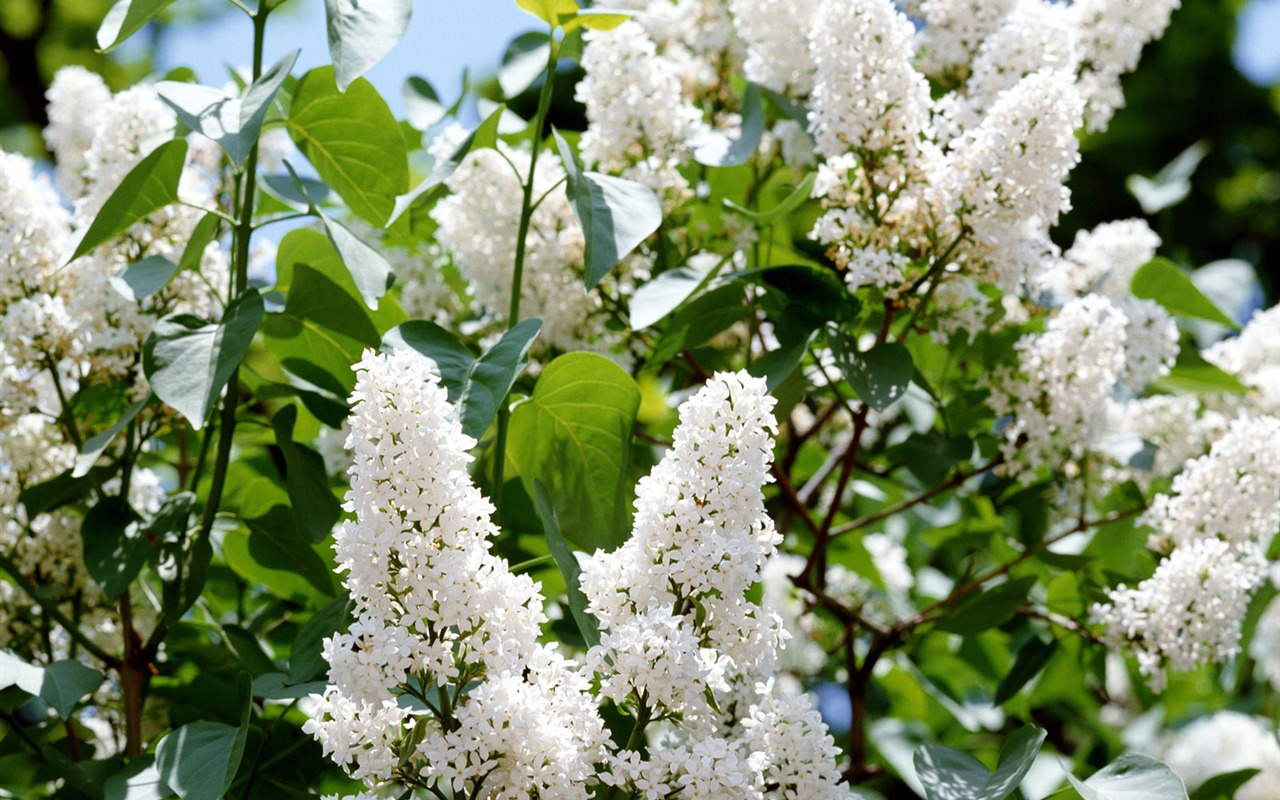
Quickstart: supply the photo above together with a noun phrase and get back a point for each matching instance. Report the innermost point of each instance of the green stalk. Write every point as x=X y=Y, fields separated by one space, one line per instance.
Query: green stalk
x=517 y=275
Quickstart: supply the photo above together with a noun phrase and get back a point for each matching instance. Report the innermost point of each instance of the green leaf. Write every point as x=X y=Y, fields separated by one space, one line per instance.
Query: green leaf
x=422 y=105
x=715 y=149
x=276 y=544
x=880 y=375
x=987 y=609
x=1224 y=786
x=300 y=194
x=949 y=774
x=139 y=780
x=369 y=268
x=277 y=686
x=234 y=123
x=305 y=660
x=188 y=361
x=662 y=295
x=61 y=685
x=574 y=434
x=149 y=186
x=114 y=547
x=491 y=377
x=362 y=33
x=1132 y=777
x=1032 y=658
x=1192 y=374
x=314 y=505
x=549 y=11
x=616 y=214
x=352 y=140
x=568 y=565
x=477 y=386
x=206 y=231
x=141 y=279
x=199 y=760
x=596 y=19
x=95 y=446
x=125 y=18
x=523 y=62
x=485 y=135
x=66 y=683
x=1161 y=280
x=59 y=490
x=777 y=365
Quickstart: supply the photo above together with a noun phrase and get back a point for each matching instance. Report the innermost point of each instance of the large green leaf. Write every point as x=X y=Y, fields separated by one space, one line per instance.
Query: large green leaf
x=568 y=564
x=879 y=375
x=315 y=507
x=616 y=214
x=362 y=33
x=199 y=760
x=149 y=186
x=141 y=279
x=1132 y=777
x=1161 y=280
x=61 y=685
x=352 y=140
x=949 y=774
x=478 y=386
x=1192 y=374
x=125 y=18
x=114 y=547
x=574 y=435
x=189 y=361
x=1224 y=785
x=139 y=780
x=233 y=122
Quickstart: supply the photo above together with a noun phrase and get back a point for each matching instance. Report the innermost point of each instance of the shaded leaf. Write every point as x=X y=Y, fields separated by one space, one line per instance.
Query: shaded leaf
x=616 y=214
x=114 y=547
x=199 y=760
x=568 y=565
x=525 y=59
x=314 y=505
x=1031 y=658
x=988 y=609
x=949 y=774
x=421 y=103
x=66 y=683
x=138 y=780
x=95 y=446
x=715 y=149
x=305 y=660
x=880 y=375
x=189 y=361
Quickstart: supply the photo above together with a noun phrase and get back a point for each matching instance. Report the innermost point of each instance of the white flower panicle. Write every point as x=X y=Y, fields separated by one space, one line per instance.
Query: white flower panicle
x=479 y=226
x=77 y=100
x=1226 y=741
x=867 y=96
x=639 y=119
x=34 y=229
x=1254 y=357
x=1058 y=399
x=953 y=31
x=1151 y=341
x=677 y=629
x=1111 y=35
x=1189 y=612
x=1106 y=257
x=1232 y=493
x=435 y=610
x=774 y=32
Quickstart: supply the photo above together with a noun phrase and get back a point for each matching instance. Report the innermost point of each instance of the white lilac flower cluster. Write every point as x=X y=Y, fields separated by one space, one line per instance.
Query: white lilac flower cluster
x=479 y=225
x=1216 y=525
x=1254 y=358
x=440 y=680
x=1225 y=741
x=65 y=327
x=680 y=643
